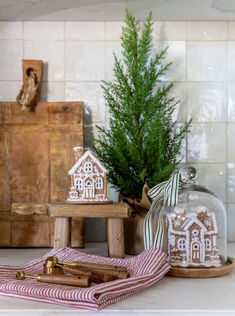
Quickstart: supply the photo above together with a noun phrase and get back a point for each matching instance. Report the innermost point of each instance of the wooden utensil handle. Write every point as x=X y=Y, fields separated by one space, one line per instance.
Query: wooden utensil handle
x=102 y=278
x=113 y=273
x=89 y=265
x=95 y=277
x=117 y=274
x=78 y=271
x=82 y=281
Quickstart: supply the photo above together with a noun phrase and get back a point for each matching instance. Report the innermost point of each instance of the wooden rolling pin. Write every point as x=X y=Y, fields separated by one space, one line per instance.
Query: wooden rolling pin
x=113 y=273
x=80 y=281
x=88 y=265
x=94 y=276
x=99 y=272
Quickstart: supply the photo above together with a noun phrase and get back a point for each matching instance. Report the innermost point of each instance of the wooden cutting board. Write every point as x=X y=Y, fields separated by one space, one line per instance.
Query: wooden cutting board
x=35 y=156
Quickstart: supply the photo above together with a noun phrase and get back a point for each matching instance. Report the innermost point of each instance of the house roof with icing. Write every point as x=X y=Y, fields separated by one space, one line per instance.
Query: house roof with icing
x=87 y=154
x=194 y=220
x=180 y=223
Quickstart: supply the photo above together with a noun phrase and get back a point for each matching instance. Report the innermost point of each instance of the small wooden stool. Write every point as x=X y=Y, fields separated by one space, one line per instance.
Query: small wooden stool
x=115 y=214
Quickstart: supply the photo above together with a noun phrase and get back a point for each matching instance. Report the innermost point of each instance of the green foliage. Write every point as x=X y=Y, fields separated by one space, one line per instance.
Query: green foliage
x=142 y=144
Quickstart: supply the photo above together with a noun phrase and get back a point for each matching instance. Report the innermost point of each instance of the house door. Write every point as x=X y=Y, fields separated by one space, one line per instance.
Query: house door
x=196 y=251
x=89 y=190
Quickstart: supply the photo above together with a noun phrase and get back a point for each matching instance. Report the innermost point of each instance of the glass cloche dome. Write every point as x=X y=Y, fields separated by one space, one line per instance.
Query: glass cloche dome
x=195 y=233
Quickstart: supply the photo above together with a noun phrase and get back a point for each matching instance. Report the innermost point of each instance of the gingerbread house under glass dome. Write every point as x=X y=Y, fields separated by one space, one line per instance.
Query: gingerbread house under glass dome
x=192 y=238
x=196 y=228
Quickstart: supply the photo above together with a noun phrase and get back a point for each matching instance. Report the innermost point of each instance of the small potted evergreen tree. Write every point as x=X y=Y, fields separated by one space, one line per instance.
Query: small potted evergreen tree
x=142 y=144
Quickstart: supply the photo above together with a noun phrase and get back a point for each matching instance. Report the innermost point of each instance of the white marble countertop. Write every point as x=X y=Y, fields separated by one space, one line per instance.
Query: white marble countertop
x=171 y=296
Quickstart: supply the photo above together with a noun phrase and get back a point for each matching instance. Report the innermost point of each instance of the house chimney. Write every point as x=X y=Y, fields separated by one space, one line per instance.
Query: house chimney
x=78 y=152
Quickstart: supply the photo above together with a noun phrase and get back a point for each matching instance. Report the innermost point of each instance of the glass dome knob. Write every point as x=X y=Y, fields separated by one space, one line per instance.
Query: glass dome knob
x=188 y=174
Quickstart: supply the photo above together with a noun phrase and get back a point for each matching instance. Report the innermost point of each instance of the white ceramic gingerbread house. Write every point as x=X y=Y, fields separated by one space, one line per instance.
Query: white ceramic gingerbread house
x=88 y=178
x=192 y=239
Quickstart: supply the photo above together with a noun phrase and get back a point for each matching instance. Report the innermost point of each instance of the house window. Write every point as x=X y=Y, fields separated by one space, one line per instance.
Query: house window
x=208 y=244
x=181 y=244
x=195 y=232
x=78 y=184
x=99 y=183
x=88 y=167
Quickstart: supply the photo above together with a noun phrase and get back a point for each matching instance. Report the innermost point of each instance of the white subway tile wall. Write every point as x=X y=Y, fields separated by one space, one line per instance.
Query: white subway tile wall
x=169 y=31
x=9 y=89
x=91 y=94
x=79 y=55
x=11 y=53
x=178 y=91
x=88 y=31
x=231 y=220
x=84 y=60
x=111 y=48
x=52 y=91
x=52 y=53
x=206 y=61
x=231 y=183
x=44 y=31
x=11 y=30
x=207 y=143
x=113 y=30
x=177 y=53
x=213 y=31
x=231 y=61
x=207 y=101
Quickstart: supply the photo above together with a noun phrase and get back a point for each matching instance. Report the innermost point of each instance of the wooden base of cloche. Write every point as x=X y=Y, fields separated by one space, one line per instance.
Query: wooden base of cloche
x=89 y=202
x=203 y=272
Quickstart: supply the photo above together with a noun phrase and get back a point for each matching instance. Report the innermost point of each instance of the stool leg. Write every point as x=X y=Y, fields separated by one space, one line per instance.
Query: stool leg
x=78 y=232
x=62 y=232
x=115 y=232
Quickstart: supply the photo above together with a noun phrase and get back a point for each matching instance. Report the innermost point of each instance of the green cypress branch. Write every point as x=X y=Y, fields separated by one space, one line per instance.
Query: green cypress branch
x=142 y=143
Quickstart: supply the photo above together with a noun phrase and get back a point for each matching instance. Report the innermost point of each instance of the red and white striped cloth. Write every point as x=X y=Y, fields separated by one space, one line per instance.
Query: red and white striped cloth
x=144 y=269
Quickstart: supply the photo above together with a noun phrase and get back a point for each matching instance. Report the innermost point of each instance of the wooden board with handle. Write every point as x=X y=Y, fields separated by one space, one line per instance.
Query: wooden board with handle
x=35 y=156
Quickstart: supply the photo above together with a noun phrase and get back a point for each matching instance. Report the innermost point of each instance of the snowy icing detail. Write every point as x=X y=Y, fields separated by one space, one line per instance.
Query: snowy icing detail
x=192 y=239
x=73 y=194
x=88 y=179
x=87 y=154
x=77 y=147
